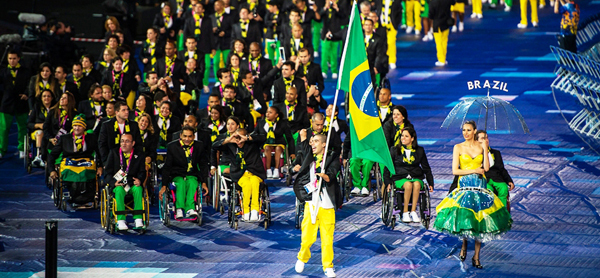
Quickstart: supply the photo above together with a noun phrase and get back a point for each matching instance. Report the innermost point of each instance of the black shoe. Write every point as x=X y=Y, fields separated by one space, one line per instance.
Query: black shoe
x=477 y=263
x=463 y=254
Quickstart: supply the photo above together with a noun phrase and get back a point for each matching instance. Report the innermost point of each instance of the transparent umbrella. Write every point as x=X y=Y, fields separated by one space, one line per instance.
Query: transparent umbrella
x=489 y=113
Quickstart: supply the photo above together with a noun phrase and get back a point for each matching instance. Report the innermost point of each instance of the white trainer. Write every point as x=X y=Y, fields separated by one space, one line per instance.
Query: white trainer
x=355 y=191
x=507 y=9
x=453 y=29
x=415 y=217
x=392 y=66
x=276 y=174
x=246 y=217
x=364 y=191
x=324 y=75
x=534 y=23
x=480 y=16
x=521 y=26
x=461 y=26
x=440 y=64
x=179 y=213
x=139 y=223
x=269 y=174
x=406 y=217
x=334 y=75
x=192 y=213
x=299 y=266
x=409 y=29
x=122 y=226
x=253 y=216
x=473 y=15
x=21 y=154
x=329 y=272
x=417 y=32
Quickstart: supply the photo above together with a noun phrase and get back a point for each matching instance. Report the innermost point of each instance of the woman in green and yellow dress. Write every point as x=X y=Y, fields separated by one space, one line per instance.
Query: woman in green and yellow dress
x=472 y=210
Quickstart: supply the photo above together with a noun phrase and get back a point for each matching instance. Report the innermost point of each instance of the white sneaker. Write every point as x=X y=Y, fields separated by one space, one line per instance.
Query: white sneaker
x=551 y=3
x=507 y=9
x=299 y=266
x=534 y=23
x=521 y=26
x=334 y=76
x=440 y=64
x=409 y=29
x=461 y=26
x=139 y=223
x=406 y=217
x=122 y=226
x=425 y=38
x=324 y=75
x=21 y=154
x=355 y=191
x=493 y=6
x=473 y=15
x=542 y=6
x=316 y=54
x=329 y=272
x=253 y=216
x=206 y=89
x=392 y=66
x=246 y=217
x=192 y=213
x=415 y=217
x=430 y=35
x=179 y=214
x=276 y=174
x=42 y=164
x=480 y=16
x=403 y=26
x=417 y=32
x=269 y=174
x=364 y=191
x=453 y=29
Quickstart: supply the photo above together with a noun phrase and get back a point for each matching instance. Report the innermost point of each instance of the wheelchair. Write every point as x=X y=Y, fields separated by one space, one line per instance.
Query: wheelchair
x=376 y=188
x=219 y=190
x=83 y=179
x=393 y=202
x=29 y=145
x=285 y=162
x=108 y=210
x=166 y=206
x=236 y=209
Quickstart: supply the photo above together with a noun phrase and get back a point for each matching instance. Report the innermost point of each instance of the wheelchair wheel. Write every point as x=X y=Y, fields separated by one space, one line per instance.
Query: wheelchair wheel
x=146 y=208
x=379 y=183
x=163 y=209
x=27 y=158
x=347 y=181
x=425 y=210
x=391 y=219
x=266 y=207
x=199 y=206
x=111 y=217
x=57 y=192
x=385 y=208
x=233 y=221
x=216 y=190
x=97 y=196
x=299 y=214
x=104 y=209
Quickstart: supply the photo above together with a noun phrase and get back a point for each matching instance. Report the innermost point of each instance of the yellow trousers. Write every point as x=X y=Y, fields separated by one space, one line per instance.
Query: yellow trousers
x=441 y=44
x=534 y=11
x=326 y=223
x=413 y=14
x=250 y=188
x=477 y=6
x=391 y=42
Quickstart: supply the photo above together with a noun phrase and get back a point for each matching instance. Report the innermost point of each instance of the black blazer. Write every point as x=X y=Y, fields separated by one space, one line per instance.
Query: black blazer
x=300 y=120
x=389 y=130
x=290 y=48
x=174 y=126
x=419 y=169
x=332 y=167
x=254 y=33
x=313 y=75
x=202 y=113
x=85 y=107
x=83 y=89
x=376 y=53
x=36 y=116
x=317 y=105
x=176 y=163
x=149 y=144
x=226 y=157
x=335 y=23
x=342 y=127
x=108 y=134
x=223 y=24
x=205 y=40
x=264 y=70
x=66 y=147
x=395 y=12
x=286 y=32
x=282 y=133
x=497 y=172
x=95 y=75
x=279 y=90
x=252 y=157
x=159 y=22
x=159 y=52
x=334 y=146
x=388 y=116
x=184 y=56
x=137 y=168
x=11 y=102
x=203 y=136
x=127 y=83
x=178 y=72
x=241 y=112
x=245 y=96
x=52 y=124
x=439 y=13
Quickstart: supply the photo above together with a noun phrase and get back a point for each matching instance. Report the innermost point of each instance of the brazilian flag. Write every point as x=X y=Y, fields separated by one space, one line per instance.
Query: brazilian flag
x=77 y=169
x=366 y=133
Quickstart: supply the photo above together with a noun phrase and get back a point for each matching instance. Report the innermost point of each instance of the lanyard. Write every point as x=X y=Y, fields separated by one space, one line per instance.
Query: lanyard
x=128 y=162
x=120 y=78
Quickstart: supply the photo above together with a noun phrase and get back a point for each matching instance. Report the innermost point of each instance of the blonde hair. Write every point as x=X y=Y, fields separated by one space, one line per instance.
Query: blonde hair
x=147 y=116
x=114 y=21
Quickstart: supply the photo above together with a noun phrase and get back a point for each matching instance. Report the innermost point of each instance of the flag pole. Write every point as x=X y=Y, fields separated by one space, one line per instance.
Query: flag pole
x=313 y=212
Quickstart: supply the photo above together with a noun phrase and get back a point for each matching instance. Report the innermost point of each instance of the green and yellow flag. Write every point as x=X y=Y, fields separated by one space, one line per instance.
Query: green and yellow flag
x=366 y=134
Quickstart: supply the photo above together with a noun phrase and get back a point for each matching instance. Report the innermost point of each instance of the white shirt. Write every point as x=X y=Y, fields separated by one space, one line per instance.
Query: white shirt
x=121 y=128
x=383 y=111
x=297 y=44
x=267 y=126
x=326 y=202
x=160 y=123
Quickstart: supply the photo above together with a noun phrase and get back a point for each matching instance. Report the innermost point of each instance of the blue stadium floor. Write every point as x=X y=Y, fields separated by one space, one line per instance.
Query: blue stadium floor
x=555 y=205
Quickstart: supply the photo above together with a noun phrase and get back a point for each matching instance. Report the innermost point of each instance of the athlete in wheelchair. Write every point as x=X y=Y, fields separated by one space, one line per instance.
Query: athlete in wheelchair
x=405 y=191
x=275 y=128
x=35 y=125
x=79 y=167
x=248 y=172
x=185 y=169
x=125 y=175
x=220 y=167
x=358 y=174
